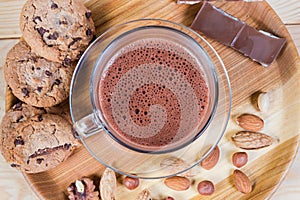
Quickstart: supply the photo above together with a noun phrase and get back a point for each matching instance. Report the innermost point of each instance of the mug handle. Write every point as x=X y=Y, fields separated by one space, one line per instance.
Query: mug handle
x=87 y=126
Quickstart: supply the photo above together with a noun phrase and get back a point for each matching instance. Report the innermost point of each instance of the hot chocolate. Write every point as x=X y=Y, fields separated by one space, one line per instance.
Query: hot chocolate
x=153 y=93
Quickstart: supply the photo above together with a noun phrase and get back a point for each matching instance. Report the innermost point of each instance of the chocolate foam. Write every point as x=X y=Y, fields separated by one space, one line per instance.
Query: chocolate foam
x=153 y=93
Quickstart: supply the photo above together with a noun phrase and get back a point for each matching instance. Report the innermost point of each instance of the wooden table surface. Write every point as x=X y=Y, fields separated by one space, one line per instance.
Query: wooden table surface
x=12 y=183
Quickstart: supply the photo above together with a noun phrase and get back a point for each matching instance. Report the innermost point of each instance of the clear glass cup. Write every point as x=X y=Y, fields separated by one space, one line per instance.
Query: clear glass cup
x=121 y=154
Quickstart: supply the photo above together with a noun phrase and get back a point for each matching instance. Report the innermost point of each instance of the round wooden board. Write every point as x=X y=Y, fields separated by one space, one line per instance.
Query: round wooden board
x=266 y=167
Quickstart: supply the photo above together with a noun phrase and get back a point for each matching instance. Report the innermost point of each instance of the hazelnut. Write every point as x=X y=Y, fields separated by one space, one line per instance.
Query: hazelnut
x=239 y=159
x=206 y=187
x=131 y=183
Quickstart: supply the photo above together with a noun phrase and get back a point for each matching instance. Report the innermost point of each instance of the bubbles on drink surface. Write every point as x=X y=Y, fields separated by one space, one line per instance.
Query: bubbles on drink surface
x=153 y=93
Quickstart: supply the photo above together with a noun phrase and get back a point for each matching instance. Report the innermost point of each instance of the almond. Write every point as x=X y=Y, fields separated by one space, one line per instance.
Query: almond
x=212 y=159
x=250 y=122
x=251 y=140
x=177 y=183
x=239 y=159
x=242 y=182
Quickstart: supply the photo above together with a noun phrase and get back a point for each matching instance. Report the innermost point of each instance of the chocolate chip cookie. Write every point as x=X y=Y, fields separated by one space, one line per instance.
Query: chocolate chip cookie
x=18 y=113
x=35 y=80
x=56 y=29
x=39 y=143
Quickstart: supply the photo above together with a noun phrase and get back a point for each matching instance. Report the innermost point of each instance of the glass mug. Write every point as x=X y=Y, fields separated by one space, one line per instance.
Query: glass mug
x=146 y=91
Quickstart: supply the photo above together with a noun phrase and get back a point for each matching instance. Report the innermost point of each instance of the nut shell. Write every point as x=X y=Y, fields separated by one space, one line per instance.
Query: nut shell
x=76 y=191
x=108 y=185
x=261 y=101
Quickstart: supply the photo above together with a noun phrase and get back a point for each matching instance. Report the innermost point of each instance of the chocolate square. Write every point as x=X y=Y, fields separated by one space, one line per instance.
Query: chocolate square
x=217 y=24
x=261 y=46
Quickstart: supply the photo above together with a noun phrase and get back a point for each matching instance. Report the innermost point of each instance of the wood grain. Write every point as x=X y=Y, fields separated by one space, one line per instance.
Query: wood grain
x=282 y=80
x=289 y=189
x=10 y=12
x=294 y=30
x=263 y=182
x=289 y=13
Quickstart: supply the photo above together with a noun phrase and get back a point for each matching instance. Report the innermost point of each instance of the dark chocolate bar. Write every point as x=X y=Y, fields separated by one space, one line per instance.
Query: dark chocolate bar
x=216 y=24
x=260 y=46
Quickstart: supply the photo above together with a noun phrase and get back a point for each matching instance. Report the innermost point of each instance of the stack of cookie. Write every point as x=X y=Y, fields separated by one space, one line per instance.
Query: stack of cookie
x=36 y=133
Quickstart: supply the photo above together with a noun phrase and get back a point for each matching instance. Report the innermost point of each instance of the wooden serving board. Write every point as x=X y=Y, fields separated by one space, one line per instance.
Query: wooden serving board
x=266 y=167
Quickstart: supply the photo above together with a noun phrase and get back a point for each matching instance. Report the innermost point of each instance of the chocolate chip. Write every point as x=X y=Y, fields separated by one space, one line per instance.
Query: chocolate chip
x=54 y=131
x=79 y=55
x=37 y=19
x=34 y=59
x=19 y=141
x=39 y=160
x=48 y=73
x=40 y=118
x=19 y=119
x=66 y=146
x=63 y=22
x=17 y=106
x=57 y=82
x=88 y=14
x=89 y=32
x=53 y=36
x=54 y=6
x=67 y=61
x=25 y=92
x=41 y=31
x=74 y=40
x=39 y=89
x=21 y=61
x=77 y=39
x=14 y=165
